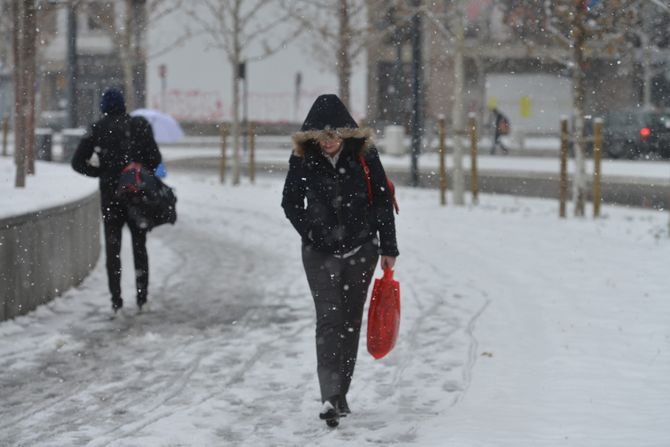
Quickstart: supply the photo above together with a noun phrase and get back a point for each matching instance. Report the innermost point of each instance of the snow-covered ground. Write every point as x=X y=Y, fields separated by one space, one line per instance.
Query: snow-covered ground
x=518 y=329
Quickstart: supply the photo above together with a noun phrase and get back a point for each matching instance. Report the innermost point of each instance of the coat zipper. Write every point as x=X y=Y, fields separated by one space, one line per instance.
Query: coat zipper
x=338 y=199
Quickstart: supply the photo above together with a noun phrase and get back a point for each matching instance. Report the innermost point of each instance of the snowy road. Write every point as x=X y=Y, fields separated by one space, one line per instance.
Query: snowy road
x=517 y=329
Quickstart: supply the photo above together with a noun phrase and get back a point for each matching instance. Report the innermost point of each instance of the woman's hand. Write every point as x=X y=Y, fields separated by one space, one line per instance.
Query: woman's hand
x=387 y=262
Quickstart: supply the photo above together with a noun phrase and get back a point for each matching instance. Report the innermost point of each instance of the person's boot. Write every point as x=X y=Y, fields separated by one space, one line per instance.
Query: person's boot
x=343 y=406
x=141 y=301
x=329 y=412
x=117 y=303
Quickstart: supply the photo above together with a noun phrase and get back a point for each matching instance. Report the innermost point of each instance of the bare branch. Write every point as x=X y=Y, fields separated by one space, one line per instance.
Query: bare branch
x=178 y=41
x=269 y=50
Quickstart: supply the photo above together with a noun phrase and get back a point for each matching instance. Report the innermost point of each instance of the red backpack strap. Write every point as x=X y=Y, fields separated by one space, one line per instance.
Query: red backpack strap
x=367 y=177
x=392 y=191
x=389 y=183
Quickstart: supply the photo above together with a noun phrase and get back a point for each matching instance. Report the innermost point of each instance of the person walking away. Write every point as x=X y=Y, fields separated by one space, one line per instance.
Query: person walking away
x=501 y=127
x=344 y=228
x=117 y=140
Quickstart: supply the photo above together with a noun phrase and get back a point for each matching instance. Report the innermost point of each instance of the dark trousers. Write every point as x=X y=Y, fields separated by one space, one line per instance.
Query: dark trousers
x=339 y=288
x=114 y=218
x=496 y=143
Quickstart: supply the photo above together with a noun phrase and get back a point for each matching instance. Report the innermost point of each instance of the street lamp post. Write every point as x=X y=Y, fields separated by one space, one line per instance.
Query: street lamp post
x=71 y=68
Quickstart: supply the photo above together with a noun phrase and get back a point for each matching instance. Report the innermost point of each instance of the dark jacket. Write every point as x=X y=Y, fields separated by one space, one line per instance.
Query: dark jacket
x=118 y=140
x=499 y=117
x=337 y=216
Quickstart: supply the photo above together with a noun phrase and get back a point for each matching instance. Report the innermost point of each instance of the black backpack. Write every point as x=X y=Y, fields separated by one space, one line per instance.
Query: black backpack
x=148 y=201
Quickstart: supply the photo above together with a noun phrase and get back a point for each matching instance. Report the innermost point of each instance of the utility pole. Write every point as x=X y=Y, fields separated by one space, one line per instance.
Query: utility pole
x=417 y=103
x=71 y=66
x=139 y=52
x=646 y=68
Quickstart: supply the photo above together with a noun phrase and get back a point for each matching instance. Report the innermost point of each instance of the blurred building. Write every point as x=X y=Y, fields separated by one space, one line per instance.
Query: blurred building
x=99 y=62
x=509 y=62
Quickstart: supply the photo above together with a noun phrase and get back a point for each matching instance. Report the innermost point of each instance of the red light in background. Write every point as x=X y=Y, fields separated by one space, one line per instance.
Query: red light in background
x=644 y=133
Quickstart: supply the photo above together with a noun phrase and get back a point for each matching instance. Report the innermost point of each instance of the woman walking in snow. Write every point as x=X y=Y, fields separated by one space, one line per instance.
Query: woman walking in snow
x=346 y=223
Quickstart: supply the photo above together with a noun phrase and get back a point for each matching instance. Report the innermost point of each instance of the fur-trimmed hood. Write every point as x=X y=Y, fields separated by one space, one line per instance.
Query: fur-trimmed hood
x=328 y=115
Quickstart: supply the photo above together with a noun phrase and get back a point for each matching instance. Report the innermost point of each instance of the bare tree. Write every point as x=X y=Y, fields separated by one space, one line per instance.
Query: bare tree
x=24 y=51
x=578 y=33
x=340 y=33
x=235 y=26
x=450 y=27
x=139 y=16
x=585 y=31
x=127 y=22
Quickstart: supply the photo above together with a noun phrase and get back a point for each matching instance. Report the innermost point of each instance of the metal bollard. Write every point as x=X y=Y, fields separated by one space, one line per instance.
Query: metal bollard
x=252 y=151
x=563 y=184
x=474 y=184
x=442 y=129
x=597 y=154
x=222 y=168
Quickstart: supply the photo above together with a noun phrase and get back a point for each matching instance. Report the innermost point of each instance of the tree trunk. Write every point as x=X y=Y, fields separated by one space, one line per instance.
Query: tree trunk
x=343 y=52
x=579 y=179
x=236 y=58
x=30 y=64
x=19 y=132
x=236 y=121
x=457 y=109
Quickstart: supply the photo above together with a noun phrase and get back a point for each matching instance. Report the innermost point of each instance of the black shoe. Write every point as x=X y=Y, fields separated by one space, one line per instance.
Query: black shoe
x=117 y=303
x=343 y=406
x=330 y=414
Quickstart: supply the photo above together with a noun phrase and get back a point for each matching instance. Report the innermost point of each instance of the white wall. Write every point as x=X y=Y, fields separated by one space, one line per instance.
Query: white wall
x=199 y=79
x=549 y=96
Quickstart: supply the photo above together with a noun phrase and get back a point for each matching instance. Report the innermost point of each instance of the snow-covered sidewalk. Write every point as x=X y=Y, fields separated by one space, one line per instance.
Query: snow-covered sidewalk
x=518 y=329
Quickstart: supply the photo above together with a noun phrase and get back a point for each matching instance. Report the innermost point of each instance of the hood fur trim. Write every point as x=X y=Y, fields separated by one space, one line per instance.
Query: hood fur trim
x=301 y=138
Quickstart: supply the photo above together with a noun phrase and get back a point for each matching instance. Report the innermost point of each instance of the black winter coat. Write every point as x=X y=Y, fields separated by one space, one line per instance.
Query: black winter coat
x=338 y=216
x=118 y=140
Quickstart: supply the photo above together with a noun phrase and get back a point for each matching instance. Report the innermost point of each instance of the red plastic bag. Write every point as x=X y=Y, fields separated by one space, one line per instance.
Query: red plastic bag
x=384 y=315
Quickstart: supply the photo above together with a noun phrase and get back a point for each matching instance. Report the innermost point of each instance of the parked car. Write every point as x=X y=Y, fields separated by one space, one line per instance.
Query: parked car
x=636 y=133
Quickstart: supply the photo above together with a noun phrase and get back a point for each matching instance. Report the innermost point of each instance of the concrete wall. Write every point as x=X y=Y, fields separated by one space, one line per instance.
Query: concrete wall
x=43 y=254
